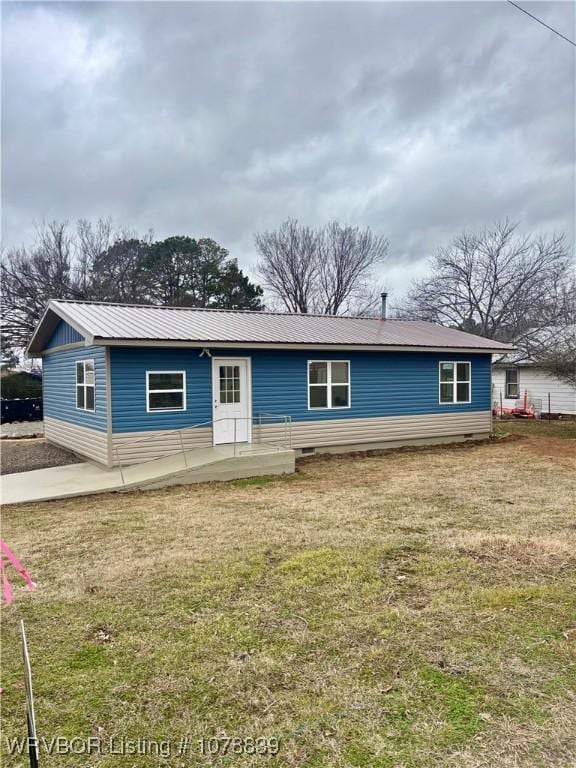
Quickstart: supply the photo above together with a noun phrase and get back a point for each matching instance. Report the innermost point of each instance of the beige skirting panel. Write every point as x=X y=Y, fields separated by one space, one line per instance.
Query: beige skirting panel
x=82 y=440
x=135 y=447
x=315 y=434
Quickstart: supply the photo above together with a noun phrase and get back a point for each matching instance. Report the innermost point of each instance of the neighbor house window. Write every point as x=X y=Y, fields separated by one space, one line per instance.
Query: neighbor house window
x=512 y=383
x=454 y=382
x=165 y=390
x=328 y=384
x=85 y=385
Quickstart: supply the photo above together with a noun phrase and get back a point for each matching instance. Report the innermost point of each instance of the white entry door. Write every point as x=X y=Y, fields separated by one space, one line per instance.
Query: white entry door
x=231 y=395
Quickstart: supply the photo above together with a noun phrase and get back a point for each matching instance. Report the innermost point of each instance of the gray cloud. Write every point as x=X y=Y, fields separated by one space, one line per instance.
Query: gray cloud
x=220 y=119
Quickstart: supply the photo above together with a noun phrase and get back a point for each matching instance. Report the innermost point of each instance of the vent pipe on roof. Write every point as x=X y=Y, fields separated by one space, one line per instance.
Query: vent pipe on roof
x=383 y=296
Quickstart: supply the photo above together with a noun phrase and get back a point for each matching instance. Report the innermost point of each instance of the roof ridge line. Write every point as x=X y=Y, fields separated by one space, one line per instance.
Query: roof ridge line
x=222 y=309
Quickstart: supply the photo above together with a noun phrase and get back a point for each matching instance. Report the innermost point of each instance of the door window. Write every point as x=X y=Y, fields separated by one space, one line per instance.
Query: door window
x=229 y=384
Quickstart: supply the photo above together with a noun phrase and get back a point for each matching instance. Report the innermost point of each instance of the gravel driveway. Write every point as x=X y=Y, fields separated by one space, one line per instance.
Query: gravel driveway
x=22 y=429
x=23 y=455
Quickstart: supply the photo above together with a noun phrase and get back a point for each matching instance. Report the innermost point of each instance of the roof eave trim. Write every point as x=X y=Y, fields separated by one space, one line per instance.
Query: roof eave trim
x=75 y=324
x=28 y=351
x=32 y=351
x=279 y=345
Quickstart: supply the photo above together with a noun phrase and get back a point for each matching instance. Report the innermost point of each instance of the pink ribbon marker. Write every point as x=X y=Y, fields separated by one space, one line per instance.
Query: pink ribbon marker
x=7 y=592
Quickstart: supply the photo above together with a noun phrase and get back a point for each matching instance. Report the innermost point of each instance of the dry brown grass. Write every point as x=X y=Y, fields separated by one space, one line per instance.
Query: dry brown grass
x=533 y=552
x=402 y=609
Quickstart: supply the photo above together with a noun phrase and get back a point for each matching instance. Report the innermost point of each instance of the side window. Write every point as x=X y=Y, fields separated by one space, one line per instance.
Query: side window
x=328 y=384
x=512 y=383
x=455 y=382
x=165 y=390
x=85 y=385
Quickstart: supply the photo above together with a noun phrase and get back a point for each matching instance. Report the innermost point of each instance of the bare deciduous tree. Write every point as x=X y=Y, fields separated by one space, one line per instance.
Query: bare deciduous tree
x=60 y=265
x=553 y=349
x=557 y=354
x=91 y=241
x=289 y=266
x=496 y=284
x=348 y=259
x=93 y=262
x=29 y=277
x=327 y=271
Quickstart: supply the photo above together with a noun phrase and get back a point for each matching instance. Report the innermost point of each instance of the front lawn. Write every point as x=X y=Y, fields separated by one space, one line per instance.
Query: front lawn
x=409 y=610
x=561 y=428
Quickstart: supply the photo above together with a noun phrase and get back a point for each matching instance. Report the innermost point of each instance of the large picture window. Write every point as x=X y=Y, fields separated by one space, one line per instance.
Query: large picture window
x=165 y=390
x=328 y=384
x=85 y=385
x=512 y=383
x=454 y=382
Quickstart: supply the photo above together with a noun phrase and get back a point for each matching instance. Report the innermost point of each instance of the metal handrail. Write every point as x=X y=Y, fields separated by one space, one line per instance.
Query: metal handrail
x=287 y=420
x=167 y=432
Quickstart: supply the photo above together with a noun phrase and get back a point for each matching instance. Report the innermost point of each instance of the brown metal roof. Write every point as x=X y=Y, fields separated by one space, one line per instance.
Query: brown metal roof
x=109 y=323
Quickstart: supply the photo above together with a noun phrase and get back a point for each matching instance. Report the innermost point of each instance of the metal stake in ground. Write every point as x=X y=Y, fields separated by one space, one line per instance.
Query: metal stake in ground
x=32 y=739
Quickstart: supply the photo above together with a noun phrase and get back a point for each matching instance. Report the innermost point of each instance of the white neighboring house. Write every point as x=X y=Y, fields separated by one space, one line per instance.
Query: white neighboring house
x=511 y=379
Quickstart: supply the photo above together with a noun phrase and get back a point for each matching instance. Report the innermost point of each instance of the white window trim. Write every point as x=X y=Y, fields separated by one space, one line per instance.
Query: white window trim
x=178 y=389
x=516 y=384
x=455 y=382
x=84 y=385
x=329 y=385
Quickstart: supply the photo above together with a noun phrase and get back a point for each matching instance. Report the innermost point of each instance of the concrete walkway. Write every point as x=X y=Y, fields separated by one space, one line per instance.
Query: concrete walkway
x=58 y=483
x=200 y=465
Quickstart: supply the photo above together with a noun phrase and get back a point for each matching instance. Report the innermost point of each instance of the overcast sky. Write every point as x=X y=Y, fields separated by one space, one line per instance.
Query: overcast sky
x=221 y=119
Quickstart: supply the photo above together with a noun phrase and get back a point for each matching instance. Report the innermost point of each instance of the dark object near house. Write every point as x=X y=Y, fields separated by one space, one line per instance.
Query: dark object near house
x=21 y=396
x=20 y=384
x=27 y=409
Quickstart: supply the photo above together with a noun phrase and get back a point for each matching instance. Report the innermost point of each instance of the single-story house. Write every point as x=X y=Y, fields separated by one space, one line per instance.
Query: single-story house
x=150 y=379
x=513 y=378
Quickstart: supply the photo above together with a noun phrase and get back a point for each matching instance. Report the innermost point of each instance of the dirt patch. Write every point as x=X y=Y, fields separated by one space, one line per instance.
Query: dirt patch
x=512 y=437
x=562 y=428
x=424 y=448
x=24 y=455
x=552 y=447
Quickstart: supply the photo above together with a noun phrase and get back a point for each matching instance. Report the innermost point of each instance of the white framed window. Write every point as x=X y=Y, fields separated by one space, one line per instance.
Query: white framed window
x=85 y=385
x=229 y=379
x=328 y=384
x=165 y=391
x=512 y=383
x=455 y=382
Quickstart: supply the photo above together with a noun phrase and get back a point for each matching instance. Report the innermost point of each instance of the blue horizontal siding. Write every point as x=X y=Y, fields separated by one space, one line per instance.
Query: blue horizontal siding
x=64 y=334
x=383 y=384
x=128 y=378
x=59 y=385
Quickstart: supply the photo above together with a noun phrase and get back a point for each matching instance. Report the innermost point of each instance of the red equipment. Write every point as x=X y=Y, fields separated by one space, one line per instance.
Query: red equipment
x=522 y=410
